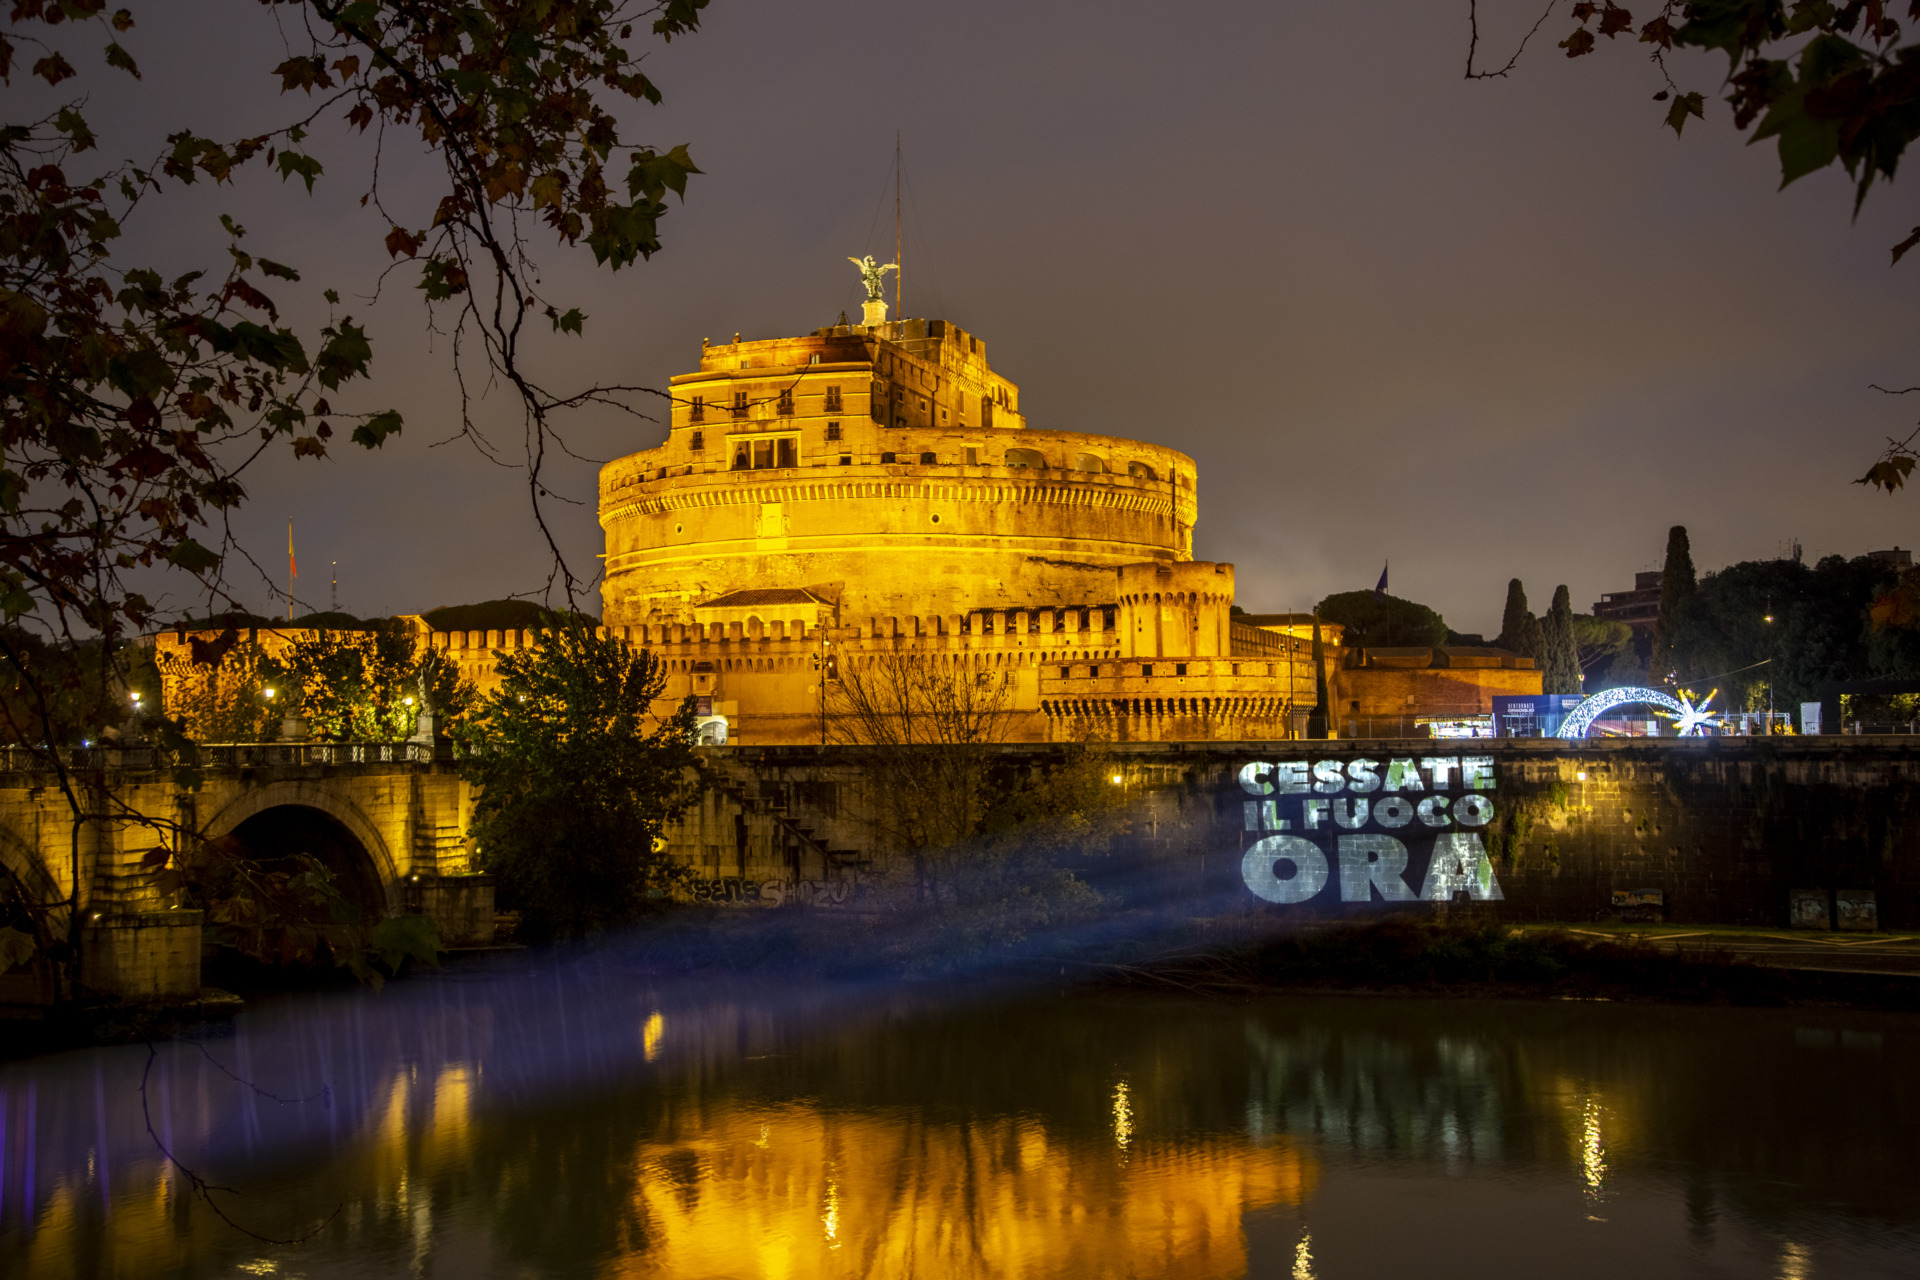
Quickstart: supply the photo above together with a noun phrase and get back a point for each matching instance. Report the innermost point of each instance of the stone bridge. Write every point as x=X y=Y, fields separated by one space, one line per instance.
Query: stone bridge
x=390 y=821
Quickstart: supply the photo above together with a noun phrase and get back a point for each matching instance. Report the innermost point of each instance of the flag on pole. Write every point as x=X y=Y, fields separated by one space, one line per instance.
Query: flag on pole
x=1380 y=590
x=293 y=570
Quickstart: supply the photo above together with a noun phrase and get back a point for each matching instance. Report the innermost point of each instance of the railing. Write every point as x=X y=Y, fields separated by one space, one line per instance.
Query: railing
x=223 y=755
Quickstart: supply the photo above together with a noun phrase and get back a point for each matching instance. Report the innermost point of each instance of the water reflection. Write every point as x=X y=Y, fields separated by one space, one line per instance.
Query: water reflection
x=578 y=1121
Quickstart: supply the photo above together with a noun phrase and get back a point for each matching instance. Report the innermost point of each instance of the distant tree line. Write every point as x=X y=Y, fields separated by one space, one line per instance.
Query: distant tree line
x=1780 y=628
x=1752 y=630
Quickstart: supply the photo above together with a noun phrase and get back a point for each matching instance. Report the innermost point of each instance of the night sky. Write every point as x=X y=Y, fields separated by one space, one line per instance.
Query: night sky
x=1481 y=330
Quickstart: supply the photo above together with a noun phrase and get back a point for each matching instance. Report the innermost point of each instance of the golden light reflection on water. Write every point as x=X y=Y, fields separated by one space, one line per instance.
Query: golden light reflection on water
x=1593 y=1151
x=797 y=1191
x=651 y=1033
x=1122 y=1116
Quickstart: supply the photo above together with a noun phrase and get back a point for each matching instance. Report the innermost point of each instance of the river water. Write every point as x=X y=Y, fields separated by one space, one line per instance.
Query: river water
x=579 y=1120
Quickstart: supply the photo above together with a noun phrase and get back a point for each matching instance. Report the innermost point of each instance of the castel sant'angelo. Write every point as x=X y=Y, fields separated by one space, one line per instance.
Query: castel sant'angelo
x=875 y=487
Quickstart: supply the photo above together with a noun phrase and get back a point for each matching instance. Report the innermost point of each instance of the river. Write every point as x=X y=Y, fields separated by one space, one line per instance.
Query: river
x=581 y=1120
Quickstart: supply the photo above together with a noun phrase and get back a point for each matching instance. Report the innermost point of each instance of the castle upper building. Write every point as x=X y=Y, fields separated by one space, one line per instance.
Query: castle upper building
x=881 y=470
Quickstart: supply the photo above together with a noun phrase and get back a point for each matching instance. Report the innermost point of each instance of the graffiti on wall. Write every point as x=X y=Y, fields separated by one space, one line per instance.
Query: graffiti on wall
x=739 y=891
x=1360 y=830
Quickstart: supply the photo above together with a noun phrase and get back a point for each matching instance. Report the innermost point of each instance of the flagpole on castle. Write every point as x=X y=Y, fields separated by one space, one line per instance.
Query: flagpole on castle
x=293 y=571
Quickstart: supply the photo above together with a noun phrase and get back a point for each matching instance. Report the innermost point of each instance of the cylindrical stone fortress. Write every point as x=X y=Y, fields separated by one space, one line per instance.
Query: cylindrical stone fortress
x=885 y=470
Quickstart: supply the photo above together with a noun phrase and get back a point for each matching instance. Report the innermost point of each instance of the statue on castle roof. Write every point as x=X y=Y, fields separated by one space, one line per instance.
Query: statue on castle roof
x=872 y=274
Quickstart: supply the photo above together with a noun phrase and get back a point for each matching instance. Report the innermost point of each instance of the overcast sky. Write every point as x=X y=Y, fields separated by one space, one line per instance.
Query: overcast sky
x=1479 y=330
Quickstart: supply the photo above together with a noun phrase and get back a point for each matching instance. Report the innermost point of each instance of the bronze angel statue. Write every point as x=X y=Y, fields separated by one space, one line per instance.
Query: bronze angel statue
x=872 y=274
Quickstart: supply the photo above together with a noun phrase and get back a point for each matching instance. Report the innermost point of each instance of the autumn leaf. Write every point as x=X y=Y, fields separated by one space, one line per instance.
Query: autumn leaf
x=1578 y=43
x=400 y=241
x=1888 y=473
x=54 y=68
x=1684 y=105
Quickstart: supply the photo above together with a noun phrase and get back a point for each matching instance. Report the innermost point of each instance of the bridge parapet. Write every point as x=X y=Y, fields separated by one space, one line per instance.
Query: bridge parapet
x=221 y=755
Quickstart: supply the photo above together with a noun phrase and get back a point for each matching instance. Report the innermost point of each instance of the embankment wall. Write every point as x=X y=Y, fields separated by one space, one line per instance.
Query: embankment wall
x=1724 y=830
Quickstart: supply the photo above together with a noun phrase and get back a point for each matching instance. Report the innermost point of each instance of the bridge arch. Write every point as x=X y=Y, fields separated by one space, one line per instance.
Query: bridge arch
x=326 y=801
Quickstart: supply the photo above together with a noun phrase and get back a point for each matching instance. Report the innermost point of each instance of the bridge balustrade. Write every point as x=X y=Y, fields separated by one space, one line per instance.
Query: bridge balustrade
x=220 y=755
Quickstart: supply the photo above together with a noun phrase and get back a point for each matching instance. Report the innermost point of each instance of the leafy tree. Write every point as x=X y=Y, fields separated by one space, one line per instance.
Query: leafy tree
x=1676 y=586
x=1514 y=620
x=133 y=401
x=1830 y=81
x=1563 y=655
x=576 y=774
x=1383 y=621
x=368 y=686
x=926 y=730
x=219 y=693
x=1820 y=630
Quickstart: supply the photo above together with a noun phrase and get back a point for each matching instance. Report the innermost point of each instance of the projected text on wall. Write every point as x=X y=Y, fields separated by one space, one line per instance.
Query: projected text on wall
x=1402 y=830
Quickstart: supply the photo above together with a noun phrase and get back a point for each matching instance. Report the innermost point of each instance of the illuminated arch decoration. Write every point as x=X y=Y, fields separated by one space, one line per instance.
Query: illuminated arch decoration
x=1688 y=718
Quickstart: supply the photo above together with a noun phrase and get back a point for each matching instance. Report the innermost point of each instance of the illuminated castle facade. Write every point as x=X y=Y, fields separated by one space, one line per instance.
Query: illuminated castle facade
x=876 y=487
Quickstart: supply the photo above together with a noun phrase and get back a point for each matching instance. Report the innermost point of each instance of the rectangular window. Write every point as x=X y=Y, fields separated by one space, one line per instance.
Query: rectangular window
x=833 y=431
x=928 y=459
x=1179 y=668
x=786 y=402
x=697 y=441
x=886 y=458
x=739 y=404
x=1146 y=668
x=833 y=399
x=973 y=456
x=1066 y=672
x=697 y=410
x=846 y=459
x=784 y=455
x=986 y=412
x=762 y=454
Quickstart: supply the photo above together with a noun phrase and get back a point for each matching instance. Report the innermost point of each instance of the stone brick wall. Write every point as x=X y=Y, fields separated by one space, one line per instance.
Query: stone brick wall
x=153 y=955
x=1723 y=829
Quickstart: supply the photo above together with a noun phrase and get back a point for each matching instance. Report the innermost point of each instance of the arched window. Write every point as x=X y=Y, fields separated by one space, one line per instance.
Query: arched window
x=1089 y=462
x=1026 y=458
x=1141 y=470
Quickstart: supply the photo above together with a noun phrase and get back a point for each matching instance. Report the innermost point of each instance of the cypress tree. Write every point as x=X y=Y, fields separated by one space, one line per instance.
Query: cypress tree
x=1513 y=620
x=1317 y=719
x=1563 y=654
x=1677 y=585
x=1533 y=642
